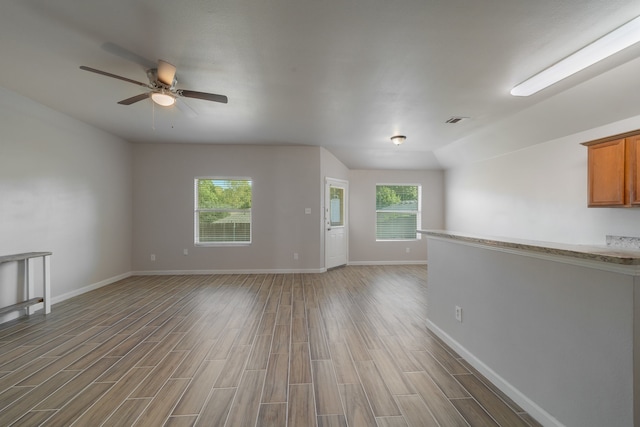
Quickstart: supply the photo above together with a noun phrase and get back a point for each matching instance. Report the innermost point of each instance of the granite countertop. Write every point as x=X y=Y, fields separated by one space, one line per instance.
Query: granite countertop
x=620 y=250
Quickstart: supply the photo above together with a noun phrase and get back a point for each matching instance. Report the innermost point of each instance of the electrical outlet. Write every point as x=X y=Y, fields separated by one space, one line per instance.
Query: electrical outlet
x=185 y=252
x=153 y=257
x=459 y=314
x=408 y=250
x=295 y=256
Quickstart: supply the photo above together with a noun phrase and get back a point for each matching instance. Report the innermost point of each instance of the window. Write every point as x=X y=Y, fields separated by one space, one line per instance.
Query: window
x=336 y=213
x=222 y=211
x=397 y=212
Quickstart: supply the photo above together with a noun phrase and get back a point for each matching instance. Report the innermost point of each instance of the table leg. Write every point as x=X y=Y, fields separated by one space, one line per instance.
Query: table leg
x=46 y=283
x=30 y=287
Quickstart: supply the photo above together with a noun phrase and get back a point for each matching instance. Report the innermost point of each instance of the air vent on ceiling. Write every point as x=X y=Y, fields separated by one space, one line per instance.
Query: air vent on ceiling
x=455 y=119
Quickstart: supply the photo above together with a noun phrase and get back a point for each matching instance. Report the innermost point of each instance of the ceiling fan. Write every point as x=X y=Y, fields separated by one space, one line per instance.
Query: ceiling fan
x=162 y=85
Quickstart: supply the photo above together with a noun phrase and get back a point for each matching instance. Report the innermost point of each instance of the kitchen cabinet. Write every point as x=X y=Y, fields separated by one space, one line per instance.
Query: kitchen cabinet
x=634 y=156
x=614 y=171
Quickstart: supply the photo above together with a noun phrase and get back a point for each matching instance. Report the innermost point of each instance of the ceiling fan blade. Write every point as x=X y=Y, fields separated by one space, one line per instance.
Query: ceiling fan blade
x=203 y=95
x=104 y=73
x=166 y=72
x=134 y=99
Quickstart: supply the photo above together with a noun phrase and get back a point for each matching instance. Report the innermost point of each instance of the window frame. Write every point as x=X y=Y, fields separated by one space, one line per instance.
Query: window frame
x=197 y=211
x=417 y=212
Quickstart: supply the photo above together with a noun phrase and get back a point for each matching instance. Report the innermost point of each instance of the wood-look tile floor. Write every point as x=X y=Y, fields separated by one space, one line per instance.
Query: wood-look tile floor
x=344 y=348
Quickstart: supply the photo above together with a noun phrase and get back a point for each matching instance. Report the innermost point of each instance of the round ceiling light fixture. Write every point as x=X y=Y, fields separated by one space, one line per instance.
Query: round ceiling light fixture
x=398 y=139
x=163 y=98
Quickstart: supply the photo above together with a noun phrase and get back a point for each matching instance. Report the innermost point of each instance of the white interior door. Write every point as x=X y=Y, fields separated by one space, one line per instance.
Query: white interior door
x=336 y=224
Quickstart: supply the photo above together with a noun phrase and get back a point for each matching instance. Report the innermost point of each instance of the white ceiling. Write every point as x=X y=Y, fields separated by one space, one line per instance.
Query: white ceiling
x=345 y=75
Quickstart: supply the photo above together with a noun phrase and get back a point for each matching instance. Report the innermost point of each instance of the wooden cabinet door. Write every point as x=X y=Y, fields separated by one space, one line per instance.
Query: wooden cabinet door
x=633 y=169
x=607 y=174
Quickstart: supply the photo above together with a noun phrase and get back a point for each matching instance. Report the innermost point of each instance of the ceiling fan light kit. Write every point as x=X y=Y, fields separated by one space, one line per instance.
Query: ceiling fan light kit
x=617 y=40
x=162 y=98
x=398 y=139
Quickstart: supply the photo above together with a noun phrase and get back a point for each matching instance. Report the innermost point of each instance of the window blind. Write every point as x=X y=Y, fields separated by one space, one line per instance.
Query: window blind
x=397 y=212
x=223 y=210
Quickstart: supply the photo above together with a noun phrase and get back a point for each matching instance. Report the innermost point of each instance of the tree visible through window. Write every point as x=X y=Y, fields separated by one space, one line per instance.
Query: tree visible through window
x=397 y=212
x=222 y=210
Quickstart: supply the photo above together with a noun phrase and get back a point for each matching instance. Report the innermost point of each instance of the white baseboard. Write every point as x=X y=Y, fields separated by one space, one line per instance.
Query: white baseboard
x=20 y=313
x=7 y=317
x=265 y=271
x=523 y=401
x=199 y=272
x=66 y=296
x=421 y=262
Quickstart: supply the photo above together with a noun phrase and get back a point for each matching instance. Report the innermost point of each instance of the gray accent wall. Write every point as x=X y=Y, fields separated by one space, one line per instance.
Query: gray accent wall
x=285 y=183
x=363 y=248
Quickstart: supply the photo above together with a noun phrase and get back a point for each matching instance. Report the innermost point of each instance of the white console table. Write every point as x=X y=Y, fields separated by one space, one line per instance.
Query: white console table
x=26 y=259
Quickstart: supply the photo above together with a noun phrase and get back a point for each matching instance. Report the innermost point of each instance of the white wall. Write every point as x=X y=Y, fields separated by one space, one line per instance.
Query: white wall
x=65 y=187
x=555 y=334
x=285 y=182
x=331 y=167
x=540 y=193
x=537 y=193
x=363 y=247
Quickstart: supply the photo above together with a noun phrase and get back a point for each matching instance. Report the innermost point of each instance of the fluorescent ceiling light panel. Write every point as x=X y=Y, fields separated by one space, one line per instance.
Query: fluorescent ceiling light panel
x=614 y=42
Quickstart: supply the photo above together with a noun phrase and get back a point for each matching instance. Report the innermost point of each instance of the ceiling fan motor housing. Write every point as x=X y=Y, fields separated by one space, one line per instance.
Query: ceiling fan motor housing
x=154 y=82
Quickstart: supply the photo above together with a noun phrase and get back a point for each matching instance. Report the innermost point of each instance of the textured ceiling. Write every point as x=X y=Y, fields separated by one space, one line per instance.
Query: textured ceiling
x=345 y=75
